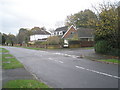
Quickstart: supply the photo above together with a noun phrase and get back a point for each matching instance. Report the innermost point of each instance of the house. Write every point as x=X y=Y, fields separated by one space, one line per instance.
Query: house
x=85 y=34
x=60 y=31
x=71 y=33
x=39 y=34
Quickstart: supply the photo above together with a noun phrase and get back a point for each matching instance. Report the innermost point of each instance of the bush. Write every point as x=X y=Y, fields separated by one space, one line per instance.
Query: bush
x=102 y=47
x=54 y=40
x=40 y=43
x=115 y=52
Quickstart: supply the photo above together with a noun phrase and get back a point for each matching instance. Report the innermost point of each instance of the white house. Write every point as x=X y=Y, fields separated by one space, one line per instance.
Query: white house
x=38 y=37
x=39 y=34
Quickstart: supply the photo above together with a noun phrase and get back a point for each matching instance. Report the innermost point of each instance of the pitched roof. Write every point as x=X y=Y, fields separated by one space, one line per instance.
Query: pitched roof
x=37 y=30
x=43 y=32
x=85 y=32
x=69 y=30
x=65 y=28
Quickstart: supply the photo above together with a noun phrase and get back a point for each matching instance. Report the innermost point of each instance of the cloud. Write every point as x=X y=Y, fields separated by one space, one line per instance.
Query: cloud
x=16 y=14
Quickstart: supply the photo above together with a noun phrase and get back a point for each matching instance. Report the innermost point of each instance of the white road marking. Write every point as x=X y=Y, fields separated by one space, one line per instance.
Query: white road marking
x=98 y=72
x=61 y=61
x=73 y=56
x=50 y=58
x=56 y=60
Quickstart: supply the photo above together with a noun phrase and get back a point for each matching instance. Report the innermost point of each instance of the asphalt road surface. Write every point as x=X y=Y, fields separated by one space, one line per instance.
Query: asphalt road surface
x=60 y=69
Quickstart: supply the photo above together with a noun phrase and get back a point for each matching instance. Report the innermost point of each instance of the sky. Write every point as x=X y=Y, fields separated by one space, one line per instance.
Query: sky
x=16 y=14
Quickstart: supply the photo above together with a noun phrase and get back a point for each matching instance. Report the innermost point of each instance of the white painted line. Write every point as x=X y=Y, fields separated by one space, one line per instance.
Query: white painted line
x=55 y=60
x=50 y=58
x=61 y=61
x=73 y=56
x=98 y=72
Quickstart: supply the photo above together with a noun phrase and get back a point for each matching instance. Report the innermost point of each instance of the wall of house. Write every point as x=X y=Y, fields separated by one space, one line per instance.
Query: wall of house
x=57 y=33
x=36 y=37
x=70 y=33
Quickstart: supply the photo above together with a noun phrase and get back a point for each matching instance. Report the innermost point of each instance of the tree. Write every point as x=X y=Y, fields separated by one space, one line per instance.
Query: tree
x=107 y=25
x=23 y=36
x=84 y=18
x=4 y=38
x=11 y=39
x=0 y=38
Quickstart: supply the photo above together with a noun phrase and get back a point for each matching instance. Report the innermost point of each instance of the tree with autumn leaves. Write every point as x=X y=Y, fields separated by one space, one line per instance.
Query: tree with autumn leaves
x=106 y=30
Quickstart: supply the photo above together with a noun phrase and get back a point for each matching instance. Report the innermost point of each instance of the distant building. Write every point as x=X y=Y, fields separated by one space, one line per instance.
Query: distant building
x=83 y=34
x=71 y=33
x=39 y=34
x=60 y=31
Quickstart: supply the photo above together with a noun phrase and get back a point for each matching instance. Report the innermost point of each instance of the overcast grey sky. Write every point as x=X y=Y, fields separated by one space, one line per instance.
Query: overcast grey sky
x=16 y=14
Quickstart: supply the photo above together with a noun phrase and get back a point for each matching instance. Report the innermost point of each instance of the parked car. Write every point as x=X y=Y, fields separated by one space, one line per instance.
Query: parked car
x=65 y=45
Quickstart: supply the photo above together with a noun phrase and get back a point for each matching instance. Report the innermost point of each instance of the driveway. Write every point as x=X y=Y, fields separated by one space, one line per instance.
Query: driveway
x=64 y=69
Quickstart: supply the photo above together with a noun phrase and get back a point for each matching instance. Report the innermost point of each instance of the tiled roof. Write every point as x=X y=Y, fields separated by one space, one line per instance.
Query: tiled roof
x=85 y=32
x=43 y=32
x=38 y=30
x=65 y=28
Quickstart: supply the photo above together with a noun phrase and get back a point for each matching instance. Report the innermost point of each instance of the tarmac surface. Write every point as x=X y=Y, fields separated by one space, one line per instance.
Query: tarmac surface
x=65 y=68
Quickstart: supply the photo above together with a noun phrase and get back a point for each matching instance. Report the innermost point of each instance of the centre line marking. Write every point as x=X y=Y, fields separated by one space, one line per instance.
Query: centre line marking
x=98 y=72
x=61 y=62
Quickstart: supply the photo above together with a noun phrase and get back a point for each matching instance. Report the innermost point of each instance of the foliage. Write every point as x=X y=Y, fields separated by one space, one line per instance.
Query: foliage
x=4 y=38
x=23 y=36
x=107 y=28
x=0 y=38
x=11 y=39
x=102 y=47
x=40 y=42
x=84 y=18
x=54 y=40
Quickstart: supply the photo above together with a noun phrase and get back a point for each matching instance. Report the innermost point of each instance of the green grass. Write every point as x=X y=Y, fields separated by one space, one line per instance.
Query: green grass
x=10 y=63
x=24 y=84
x=88 y=47
x=111 y=60
x=3 y=50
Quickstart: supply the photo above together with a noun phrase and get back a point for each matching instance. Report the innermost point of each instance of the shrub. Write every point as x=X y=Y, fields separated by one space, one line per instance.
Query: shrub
x=53 y=40
x=102 y=47
x=40 y=43
x=115 y=52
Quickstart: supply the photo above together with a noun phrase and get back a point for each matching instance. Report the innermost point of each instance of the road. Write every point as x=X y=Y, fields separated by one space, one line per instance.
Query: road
x=60 y=69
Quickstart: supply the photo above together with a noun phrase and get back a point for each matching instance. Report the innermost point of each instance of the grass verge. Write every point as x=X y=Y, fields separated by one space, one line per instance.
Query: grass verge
x=87 y=47
x=3 y=50
x=9 y=62
x=111 y=61
x=24 y=84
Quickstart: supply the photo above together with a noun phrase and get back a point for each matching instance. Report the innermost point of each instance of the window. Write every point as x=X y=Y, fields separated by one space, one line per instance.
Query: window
x=72 y=32
x=60 y=33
